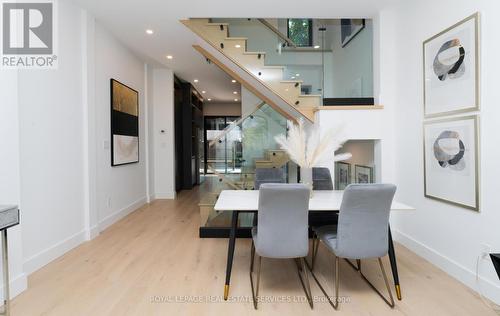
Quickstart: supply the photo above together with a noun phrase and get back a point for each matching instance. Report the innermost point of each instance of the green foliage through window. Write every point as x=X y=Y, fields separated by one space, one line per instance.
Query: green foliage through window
x=300 y=31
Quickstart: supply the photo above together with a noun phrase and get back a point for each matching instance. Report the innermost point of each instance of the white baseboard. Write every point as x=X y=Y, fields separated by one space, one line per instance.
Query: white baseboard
x=165 y=195
x=92 y=233
x=18 y=284
x=45 y=256
x=453 y=268
x=116 y=216
x=152 y=197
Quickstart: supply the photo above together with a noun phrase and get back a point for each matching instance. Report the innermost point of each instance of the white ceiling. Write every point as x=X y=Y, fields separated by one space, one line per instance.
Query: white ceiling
x=128 y=20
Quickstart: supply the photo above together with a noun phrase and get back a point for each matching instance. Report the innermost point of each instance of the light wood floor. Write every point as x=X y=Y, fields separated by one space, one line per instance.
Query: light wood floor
x=153 y=256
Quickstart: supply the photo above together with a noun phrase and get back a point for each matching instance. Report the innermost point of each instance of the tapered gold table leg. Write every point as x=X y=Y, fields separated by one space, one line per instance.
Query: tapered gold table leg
x=398 y=292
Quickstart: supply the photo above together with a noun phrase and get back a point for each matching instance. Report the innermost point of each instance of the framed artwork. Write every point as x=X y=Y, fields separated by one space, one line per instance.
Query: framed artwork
x=451 y=69
x=124 y=124
x=451 y=162
x=363 y=174
x=349 y=28
x=342 y=175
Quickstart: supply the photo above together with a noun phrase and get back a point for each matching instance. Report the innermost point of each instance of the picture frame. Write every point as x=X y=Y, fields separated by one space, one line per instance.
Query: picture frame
x=451 y=161
x=124 y=124
x=451 y=69
x=349 y=29
x=342 y=175
x=363 y=174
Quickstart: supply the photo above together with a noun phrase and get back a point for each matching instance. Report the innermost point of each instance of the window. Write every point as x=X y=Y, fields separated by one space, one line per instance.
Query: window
x=300 y=32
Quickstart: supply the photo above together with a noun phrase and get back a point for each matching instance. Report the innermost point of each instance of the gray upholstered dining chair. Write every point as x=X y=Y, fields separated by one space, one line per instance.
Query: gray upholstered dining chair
x=282 y=230
x=268 y=175
x=322 y=179
x=361 y=233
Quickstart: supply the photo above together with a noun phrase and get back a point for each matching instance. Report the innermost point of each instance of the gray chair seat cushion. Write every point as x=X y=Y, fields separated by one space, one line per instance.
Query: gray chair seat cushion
x=328 y=236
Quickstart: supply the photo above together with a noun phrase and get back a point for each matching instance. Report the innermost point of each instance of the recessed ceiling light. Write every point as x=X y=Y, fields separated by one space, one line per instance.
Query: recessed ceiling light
x=149 y=32
x=209 y=99
x=235 y=100
x=235 y=92
x=170 y=56
x=203 y=91
x=233 y=81
x=237 y=45
x=195 y=80
x=297 y=75
x=316 y=46
x=293 y=77
x=286 y=89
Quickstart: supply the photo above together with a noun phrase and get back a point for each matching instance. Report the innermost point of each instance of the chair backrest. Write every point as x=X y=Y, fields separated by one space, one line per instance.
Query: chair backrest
x=268 y=175
x=322 y=179
x=362 y=230
x=282 y=227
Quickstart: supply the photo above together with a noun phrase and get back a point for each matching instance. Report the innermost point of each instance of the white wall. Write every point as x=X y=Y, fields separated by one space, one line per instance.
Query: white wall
x=59 y=171
x=120 y=189
x=446 y=235
x=163 y=142
x=51 y=149
x=9 y=174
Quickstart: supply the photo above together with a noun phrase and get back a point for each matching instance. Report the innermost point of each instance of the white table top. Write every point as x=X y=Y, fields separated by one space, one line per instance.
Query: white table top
x=248 y=200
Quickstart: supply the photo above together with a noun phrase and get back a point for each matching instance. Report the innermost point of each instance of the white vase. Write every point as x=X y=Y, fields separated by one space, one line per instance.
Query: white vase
x=306 y=178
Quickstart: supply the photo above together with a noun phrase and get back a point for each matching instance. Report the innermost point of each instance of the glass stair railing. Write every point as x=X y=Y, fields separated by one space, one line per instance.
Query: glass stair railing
x=269 y=56
x=235 y=152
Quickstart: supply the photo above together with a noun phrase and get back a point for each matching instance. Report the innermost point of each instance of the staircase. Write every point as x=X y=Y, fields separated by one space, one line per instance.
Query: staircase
x=275 y=158
x=271 y=76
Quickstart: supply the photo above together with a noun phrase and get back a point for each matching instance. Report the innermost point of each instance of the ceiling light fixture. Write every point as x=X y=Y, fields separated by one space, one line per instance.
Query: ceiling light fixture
x=237 y=45
x=297 y=75
x=293 y=77
x=235 y=92
x=149 y=32
x=235 y=100
x=233 y=81
x=316 y=46
x=203 y=91
x=195 y=80
x=209 y=99
x=170 y=56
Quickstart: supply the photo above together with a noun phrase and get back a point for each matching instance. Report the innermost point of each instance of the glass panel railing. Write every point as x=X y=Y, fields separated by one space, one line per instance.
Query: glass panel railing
x=332 y=58
x=235 y=152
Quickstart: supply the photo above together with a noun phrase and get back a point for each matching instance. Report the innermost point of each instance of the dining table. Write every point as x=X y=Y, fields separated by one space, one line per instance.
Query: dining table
x=247 y=201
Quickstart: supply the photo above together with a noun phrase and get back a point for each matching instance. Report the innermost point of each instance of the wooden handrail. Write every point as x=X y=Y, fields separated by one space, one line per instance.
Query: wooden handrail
x=277 y=32
x=246 y=84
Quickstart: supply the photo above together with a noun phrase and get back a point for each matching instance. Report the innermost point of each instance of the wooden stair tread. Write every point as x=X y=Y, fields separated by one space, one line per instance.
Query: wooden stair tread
x=254 y=53
x=309 y=95
x=217 y=24
x=274 y=67
x=291 y=81
x=236 y=38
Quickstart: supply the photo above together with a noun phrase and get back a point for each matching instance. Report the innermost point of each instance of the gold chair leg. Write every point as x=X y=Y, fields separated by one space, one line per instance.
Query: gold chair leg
x=314 y=252
x=255 y=292
x=337 y=282
x=305 y=280
x=389 y=302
